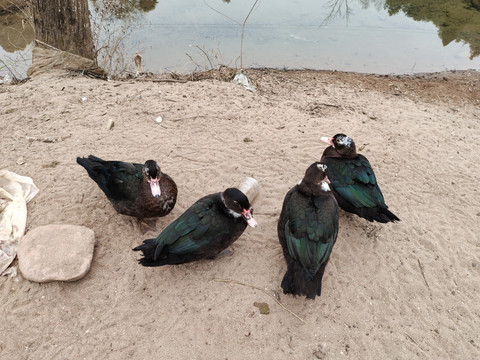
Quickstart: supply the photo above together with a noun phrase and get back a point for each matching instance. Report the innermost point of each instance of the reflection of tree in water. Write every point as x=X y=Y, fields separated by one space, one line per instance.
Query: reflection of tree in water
x=125 y=9
x=338 y=9
x=16 y=31
x=456 y=20
x=341 y=9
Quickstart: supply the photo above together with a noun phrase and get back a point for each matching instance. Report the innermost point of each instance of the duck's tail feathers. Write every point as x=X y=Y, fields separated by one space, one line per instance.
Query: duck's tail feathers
x=152 y=254
x=380 y=214
x=97 y=171
x=298 y=281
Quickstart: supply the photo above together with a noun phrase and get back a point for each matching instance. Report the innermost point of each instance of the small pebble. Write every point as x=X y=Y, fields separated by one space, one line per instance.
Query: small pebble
x=158 y=120
x=84 y=99
x=110 y=124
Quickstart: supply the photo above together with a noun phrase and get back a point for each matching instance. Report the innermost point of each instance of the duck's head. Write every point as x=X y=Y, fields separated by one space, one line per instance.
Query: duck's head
x=344 y=144
x=237 y=205
x=316 y=175
x=151 y=172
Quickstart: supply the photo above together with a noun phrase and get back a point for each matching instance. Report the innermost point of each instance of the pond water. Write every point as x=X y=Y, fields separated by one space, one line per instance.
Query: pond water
x=369 y=36
x=350 y=35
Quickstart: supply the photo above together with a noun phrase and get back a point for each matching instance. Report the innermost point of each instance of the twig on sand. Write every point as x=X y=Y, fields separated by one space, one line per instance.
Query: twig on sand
x=423 y=273
x=266 y=292
x=412 y=340
x=192 y=160
x=330 y=105
x=49 y=139
x=162 y=80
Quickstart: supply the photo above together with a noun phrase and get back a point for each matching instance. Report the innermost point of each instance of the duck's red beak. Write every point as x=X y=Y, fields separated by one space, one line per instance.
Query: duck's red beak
x=155 y=187
x=327 y=140
x=247 y=215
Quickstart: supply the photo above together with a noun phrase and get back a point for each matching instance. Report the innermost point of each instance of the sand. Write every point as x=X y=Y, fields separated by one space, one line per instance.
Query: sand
x=402 y=290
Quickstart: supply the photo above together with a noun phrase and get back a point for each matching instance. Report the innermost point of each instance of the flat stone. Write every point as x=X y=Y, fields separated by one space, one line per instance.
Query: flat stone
x=56 y=253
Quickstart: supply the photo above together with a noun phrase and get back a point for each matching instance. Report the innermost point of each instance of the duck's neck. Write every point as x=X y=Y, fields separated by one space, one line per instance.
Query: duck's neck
x=331 y=152
x=311 y=189
x=227 y=210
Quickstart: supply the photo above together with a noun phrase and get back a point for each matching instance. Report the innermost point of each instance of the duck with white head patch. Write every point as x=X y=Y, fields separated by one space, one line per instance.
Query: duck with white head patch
x=353 y=181
x=143 y=191
x=307 y=230
x=204 y=230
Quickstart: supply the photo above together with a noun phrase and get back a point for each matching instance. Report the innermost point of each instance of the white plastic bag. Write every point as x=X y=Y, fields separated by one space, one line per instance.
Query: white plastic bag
x=15 y=192
x=241 y=79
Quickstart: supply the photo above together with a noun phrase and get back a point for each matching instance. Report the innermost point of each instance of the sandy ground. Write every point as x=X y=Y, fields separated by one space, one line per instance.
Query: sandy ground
x=391 y=291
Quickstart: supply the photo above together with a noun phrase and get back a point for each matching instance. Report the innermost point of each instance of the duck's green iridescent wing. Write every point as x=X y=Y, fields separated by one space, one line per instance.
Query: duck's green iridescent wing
x=311 y=230
x=355 y=181
x=189 y=232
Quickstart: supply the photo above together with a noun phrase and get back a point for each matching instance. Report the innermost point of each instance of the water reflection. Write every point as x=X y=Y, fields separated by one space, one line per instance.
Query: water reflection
x=456 y=20
x=16 y=37
x=124 y=9
x=349 y=35
x=342 y=9
x=15 y=31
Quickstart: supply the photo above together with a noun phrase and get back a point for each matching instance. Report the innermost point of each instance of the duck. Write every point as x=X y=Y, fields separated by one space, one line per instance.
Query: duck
x=142 y=191
x=307 y=231
x=204 y=230
x=353 y=180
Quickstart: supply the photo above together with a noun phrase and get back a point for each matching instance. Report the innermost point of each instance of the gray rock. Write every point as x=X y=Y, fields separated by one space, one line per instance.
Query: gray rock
x=56 y=253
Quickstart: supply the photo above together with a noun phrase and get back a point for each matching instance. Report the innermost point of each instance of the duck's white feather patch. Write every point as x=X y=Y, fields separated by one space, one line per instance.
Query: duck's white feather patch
x=345 y=141
x=325 y=186
x=230 y=211
x=233 y=213
x=322 y=167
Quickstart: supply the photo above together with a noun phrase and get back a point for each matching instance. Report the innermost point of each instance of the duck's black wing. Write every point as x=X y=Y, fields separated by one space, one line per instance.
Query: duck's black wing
x=355 y=187
x=120 y=181
x=308 y=229
x=203 y=230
